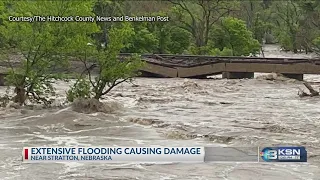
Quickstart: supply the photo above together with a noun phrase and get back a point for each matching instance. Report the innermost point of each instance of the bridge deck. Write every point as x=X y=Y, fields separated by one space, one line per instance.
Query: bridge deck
x=192 y=66
x=167 y=65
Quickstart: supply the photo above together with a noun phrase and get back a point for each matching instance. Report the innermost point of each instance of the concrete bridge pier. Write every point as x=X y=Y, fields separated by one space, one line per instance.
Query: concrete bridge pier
x=238 y=75
x=294 y=76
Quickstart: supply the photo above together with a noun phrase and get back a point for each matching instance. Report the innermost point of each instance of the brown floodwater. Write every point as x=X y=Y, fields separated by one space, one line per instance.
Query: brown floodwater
x=172 y=112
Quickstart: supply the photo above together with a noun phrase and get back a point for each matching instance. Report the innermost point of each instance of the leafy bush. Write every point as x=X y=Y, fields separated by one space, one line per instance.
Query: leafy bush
x=81 y=89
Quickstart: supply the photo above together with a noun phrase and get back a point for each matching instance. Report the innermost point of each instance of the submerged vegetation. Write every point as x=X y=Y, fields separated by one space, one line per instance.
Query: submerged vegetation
x=111 y=70
x=223 y=28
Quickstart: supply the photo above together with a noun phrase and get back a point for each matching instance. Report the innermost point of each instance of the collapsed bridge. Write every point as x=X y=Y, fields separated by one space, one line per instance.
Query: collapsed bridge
x=194 y=66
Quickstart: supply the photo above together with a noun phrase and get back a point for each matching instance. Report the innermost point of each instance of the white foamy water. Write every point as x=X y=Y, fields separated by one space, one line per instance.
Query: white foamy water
x=173 y=112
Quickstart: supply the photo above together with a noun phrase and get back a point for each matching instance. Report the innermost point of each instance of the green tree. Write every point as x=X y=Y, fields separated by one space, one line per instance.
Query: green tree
x=111 y=70
x=170 y=38
x=143 y=7
x=257 y=18
x=43 y=45
x=158 y=37
x=198 y=17
x=180 y=40
x=309 y=28
x=107 y=8
x=233 y=34
x=161 y=30
x=3 y=10
x=143 y=41
x=287 y=17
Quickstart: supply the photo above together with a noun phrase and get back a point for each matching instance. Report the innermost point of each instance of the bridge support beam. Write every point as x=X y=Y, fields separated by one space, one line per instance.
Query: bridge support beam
x=148 y=74
x=238 y=75
x=199 y=77
x=294 y=76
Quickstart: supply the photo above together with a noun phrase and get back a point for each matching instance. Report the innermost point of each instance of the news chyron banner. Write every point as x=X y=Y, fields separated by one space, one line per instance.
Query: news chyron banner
x=163 y=154
x=114 y=154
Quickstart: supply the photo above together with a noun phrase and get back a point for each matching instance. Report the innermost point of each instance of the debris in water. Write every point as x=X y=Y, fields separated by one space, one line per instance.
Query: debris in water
x=89 y=106
x=313 y=92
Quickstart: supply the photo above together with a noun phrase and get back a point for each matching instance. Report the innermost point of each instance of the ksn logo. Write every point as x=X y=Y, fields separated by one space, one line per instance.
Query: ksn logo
x=284 y=154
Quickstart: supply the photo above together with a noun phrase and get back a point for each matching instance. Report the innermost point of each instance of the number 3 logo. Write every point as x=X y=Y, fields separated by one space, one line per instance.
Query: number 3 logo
x=272 y=154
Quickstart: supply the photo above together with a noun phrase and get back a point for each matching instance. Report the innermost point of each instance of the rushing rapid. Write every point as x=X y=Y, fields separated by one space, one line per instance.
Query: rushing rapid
x=171 y=112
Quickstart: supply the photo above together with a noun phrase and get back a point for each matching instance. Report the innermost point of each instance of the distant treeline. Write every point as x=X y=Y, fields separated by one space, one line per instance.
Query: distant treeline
x=214 y=27
x=219 y=27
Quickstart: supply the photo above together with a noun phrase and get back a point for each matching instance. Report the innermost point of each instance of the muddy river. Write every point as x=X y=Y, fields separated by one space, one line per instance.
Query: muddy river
x=172 y=112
